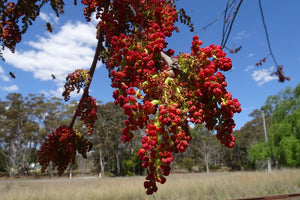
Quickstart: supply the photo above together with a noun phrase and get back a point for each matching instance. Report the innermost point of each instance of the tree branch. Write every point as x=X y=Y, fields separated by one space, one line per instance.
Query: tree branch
x=99 y=49
x=4 y=154
x=266 y=31
x=225 y=32
x=134 y=14
x=172 y=62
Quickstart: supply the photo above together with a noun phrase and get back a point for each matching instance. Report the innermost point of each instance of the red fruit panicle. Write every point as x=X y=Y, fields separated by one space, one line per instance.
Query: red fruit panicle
x=60 y=147
x=156 y=97
x=76 y=80
x=87 y=111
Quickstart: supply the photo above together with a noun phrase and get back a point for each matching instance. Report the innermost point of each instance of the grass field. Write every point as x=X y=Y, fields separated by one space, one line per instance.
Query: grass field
x=227 y=185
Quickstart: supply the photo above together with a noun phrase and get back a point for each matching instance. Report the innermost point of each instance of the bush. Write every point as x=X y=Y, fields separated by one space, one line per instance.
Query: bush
x=187 y=163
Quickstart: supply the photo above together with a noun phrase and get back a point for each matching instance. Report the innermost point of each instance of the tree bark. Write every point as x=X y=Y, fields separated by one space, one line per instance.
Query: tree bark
x=50 y=167
x=207 y=158
x=101 y=164
x=83 y=165
x=206 y=164
x=118 y=163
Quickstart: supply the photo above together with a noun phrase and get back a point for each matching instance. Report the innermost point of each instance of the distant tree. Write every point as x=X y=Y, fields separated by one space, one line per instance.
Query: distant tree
x=203 y=147
x=289 y=152
x=53 y=107
x=3 y=160
x=16 y=132
x=187 y=163
x=259 y=152
x=131 y=165
x=37 y=111
x=284 y=138
x=109 y=151
x=25 y=121
x=251 y=133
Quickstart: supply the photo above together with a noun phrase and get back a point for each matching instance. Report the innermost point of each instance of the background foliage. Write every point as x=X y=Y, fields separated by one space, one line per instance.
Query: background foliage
x=26 y=120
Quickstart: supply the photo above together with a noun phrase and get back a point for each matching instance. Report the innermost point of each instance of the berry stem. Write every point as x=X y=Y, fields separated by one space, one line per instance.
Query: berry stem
x=99 y=50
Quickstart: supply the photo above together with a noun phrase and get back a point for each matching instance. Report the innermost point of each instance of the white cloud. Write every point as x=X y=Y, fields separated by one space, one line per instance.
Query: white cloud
x=12 y=88
x=248 y=68
x=241 y=35
x=52 y=18
x=263 y=76
x=250 y=55
x=3 y=76
x=44 y=17
x=58 y=92
x=72 y=47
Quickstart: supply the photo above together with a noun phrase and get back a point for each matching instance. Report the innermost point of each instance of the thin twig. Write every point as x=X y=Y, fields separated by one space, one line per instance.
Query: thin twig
x=132 y=10
x=211 y=23
x=225 y=21
x=223 y=44
x=266 y=31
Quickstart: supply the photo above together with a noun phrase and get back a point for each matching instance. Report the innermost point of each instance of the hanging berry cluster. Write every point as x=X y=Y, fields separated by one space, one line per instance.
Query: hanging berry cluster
x=78 y=79
x=155 y=97
x=87 y=111
x=87 y=107
x=22 y=12
x=60 y=148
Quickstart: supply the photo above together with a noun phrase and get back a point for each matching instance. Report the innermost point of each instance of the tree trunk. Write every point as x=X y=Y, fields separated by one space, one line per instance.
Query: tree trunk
x=101 y=164
x=118 y=163
x=69 y=170
x=206 y=165
x=50 y=167
x=12 y=160
x=207 y=158
x=83 y=165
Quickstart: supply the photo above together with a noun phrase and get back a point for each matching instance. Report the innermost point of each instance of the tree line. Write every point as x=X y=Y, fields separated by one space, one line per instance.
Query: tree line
x=25 y=121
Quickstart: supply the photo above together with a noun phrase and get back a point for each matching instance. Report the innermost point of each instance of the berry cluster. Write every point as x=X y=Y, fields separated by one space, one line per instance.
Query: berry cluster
x=21 y=12
x=60 y=147
x=78 y=79
x=154 y=97
x=261 y=61
x=10 y=31
x=211 y=102
x=87 y=111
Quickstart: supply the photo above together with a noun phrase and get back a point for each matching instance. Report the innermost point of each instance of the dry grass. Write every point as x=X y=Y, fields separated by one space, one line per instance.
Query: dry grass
x=178 y=186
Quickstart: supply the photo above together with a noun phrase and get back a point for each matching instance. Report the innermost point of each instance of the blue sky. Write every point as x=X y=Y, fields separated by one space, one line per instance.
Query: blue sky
x=72 y=44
